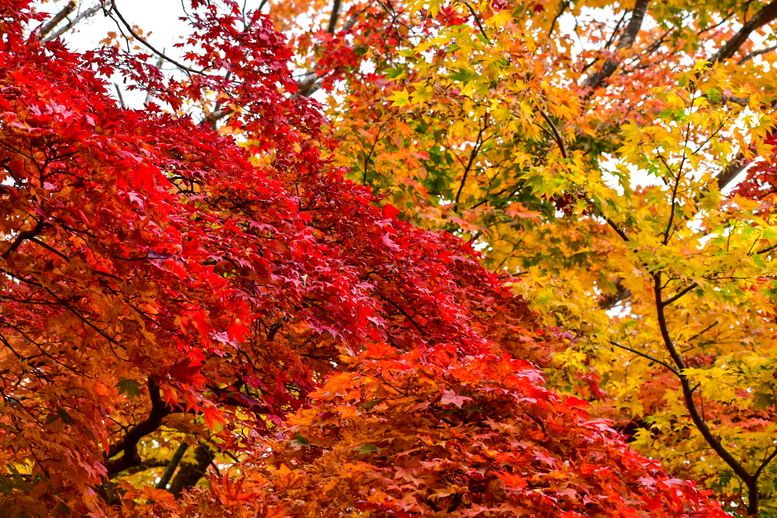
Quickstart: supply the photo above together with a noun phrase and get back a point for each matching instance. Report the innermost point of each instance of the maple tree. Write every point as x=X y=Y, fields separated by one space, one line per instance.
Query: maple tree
x=196 y=326
x=592 y=149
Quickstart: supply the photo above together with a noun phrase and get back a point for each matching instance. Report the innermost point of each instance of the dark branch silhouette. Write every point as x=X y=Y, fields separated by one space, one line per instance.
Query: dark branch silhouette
x=625 y=42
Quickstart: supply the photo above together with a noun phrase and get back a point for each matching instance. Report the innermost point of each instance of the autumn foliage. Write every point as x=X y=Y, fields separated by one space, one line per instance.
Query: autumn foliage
x=164 y=288
x=618 y=159
x=430 y=432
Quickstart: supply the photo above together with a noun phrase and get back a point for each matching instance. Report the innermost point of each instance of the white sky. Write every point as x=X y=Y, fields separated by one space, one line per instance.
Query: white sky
x=160 y=17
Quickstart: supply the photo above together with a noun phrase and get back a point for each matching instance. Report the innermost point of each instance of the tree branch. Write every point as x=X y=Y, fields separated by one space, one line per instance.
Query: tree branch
x=334 y=17
x=468 y=167
x=129 y=445
x=53 y=22
x=87 y=13
x=172 y=466
x=732 y=170
x=647 y=357
x=477 y=21
x=679 y=294
x=556 y=134
x=561 y=10
x=121 y=97
x=726 y=176
x=311 y=85
x=189 y=475
x=685 y=383
x=23 y=236
x=146 y=465
x=49 y=248
x=621 y=293
x=761 y=18
x=149 y=46
x=617 y=230
x=625 y=42
x=765 y=463
x=755 y=54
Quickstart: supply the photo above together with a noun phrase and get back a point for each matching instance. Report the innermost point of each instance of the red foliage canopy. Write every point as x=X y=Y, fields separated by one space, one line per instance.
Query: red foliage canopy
x=152 y=278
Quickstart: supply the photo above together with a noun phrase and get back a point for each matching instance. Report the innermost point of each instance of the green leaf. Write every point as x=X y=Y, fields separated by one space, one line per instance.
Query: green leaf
x=129 y=387
x=393 y=73
x=65 y=416
x=6 y=485
x=367 y=448
x=461 y=75
x=762 y=401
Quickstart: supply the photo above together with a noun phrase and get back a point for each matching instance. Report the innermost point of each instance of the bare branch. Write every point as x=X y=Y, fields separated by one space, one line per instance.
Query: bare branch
x=647 y=357
x=172 y=466
x=149 y=46
x=625 y=42
x=53 y=22
x=556 y=134
x=755 y=54
x=129 y=445
x=334 y=17
x=86 y=13
x=762 y=17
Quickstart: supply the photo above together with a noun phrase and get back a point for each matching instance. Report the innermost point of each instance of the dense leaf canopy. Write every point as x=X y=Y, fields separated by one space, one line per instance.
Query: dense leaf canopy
x=618 y=158
x=196 y=324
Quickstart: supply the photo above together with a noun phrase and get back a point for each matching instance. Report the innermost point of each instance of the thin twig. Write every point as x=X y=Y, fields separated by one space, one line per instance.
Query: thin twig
x=556 y=134
x=560 y=12
x=151 y=47
x=477 y=21
x=121 y=97
x=755 y=54
x=473 y=154
x=647 y=357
